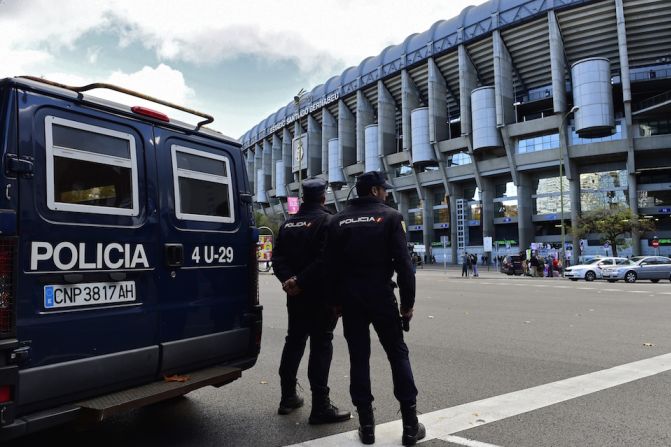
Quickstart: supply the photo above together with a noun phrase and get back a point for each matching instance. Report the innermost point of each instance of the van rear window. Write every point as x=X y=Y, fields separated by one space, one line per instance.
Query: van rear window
x=203 y=187
x=90 y=169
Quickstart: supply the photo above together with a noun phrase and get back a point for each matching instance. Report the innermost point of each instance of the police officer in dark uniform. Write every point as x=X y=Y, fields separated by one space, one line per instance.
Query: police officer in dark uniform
x=366 y=244
x=299 y=265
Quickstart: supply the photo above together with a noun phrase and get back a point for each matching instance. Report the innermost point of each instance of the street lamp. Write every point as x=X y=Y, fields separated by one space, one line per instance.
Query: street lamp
x=299 y=147
x=561 y=188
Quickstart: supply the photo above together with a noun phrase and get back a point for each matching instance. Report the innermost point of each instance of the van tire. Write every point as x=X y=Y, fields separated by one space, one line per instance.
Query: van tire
x=630 y=277
x=590 y=276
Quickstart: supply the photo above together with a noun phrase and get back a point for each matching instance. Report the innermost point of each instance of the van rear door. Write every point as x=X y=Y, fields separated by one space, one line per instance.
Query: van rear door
x=205 y=242
x=87 y=223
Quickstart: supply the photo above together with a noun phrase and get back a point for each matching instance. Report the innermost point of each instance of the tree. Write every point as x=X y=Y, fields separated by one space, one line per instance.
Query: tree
x=263 y=220
x=613 y=224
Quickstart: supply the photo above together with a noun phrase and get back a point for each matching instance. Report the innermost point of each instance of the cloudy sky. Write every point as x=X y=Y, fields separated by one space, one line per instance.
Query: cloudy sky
x=239 y=61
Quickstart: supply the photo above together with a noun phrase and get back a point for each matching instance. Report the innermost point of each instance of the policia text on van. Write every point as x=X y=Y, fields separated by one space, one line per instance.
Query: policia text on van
x=123 y=240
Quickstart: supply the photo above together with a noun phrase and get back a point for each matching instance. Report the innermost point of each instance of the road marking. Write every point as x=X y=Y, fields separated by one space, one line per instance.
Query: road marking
x=466 y=442
x=445 y=422
x=638 y=291
x=585 y=288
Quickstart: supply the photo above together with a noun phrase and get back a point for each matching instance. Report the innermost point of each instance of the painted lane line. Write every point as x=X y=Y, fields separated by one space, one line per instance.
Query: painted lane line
x=451 y=420
x=466 y=442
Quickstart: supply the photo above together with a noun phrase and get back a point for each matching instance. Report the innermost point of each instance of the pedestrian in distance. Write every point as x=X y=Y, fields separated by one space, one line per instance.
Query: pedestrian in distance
x=464 y=265
x=366 y=245
x=474 y=263
x=298 y=262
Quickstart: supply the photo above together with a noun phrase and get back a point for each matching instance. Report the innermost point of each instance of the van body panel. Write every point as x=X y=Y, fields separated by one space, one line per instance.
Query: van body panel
x=133 y=252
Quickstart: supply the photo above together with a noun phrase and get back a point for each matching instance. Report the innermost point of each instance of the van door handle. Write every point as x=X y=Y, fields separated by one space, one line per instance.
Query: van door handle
x=174 y=255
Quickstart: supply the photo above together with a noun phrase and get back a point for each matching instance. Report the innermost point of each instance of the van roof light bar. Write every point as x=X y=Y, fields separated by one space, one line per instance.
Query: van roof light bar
x=96 y=85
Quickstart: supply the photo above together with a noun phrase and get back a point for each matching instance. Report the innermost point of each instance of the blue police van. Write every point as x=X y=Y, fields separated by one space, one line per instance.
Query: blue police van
x=127 y=256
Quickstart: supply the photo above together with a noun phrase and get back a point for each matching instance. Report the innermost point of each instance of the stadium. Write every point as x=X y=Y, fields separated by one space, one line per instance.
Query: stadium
x=509 y=122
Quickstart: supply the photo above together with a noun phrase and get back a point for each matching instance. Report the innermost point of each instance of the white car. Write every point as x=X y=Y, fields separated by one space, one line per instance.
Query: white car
x=591 y=270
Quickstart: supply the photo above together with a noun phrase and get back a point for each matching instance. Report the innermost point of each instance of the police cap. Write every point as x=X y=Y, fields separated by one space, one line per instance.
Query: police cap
x=372 y=178
x=313 y=188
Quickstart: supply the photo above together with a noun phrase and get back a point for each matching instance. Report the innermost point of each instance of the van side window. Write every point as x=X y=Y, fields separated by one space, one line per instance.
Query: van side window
x=90 y=169
x=203 y=188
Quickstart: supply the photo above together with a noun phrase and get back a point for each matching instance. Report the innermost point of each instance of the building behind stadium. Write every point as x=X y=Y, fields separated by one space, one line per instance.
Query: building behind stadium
x=470 y=119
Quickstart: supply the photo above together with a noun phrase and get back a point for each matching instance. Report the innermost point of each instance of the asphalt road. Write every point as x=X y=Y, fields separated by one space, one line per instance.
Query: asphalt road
x=470 y=339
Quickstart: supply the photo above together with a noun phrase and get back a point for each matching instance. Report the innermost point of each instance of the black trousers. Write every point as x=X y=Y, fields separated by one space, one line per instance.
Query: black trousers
x=314 y=320
x=386 y=321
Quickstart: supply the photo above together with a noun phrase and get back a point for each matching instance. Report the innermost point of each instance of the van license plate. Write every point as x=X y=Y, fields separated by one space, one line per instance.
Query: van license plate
x=88 y=294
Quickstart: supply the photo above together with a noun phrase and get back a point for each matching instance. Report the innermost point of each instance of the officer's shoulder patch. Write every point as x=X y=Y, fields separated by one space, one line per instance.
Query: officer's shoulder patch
x=405 y=230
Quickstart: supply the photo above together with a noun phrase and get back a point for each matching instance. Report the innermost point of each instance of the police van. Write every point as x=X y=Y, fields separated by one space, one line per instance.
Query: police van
x=127 y=256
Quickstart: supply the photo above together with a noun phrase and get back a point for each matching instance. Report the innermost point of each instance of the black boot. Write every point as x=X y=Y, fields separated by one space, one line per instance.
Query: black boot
x=324 y=412
x=366 y=424
x=290 y=399
x=413 y=430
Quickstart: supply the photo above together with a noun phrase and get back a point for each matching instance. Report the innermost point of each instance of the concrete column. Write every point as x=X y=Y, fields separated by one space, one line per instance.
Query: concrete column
x=525 y=225
x=258 y=157
x=503 y=81
x=557 y=65
x=286 y=154
x=487 y=194
x=427 y=219
x=402 y=201
x=454 y=191
x=409 y=102
x=251 y=173
x=439 y=129
x=298 y=132
x=268 y=163
x=626 y=98
x=468 y=81
x=386 y=121
x=365 y=115
x=276 y=155
x=314 y=149
x=346 y=134
x=329 y=131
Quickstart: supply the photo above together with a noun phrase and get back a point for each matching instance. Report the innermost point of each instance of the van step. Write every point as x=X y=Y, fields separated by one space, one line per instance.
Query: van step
x=103 y=407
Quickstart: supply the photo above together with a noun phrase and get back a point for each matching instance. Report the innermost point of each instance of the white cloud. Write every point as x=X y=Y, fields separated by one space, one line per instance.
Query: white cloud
x=162 y=82
x=318 y=36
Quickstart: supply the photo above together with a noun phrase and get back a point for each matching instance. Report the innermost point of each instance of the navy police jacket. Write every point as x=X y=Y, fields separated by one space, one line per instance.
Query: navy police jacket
x=366 y=244
x=299 y=247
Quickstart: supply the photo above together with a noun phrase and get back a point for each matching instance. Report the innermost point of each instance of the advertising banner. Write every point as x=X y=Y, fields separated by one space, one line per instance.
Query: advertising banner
x=265 y=248
x=292 y=205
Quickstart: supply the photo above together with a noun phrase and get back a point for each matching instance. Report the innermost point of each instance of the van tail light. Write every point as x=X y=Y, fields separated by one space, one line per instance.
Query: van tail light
x=5 y=394
x=150 y=113
x=7 y=300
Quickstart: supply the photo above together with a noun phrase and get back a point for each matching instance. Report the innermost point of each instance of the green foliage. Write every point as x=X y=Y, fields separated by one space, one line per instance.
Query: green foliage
x=613 y=224
x=272 y=222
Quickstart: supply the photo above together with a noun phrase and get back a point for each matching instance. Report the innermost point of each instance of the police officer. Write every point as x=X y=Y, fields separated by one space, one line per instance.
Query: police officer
x=366 y=244
x=298 y=264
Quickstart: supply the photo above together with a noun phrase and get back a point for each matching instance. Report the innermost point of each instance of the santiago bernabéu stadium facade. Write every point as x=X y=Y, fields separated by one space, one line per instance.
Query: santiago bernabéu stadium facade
x=470 y=119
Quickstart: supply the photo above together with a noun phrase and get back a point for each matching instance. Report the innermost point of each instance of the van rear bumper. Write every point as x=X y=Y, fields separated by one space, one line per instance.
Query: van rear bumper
x=102 y=407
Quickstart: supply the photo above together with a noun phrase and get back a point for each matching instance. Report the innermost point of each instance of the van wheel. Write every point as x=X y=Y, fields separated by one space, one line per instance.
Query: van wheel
x=590 y=276
x=630 y=277
x=654 y=280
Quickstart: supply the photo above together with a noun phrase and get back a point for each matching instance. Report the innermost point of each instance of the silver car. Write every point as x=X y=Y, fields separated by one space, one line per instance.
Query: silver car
x=591 y=270
x=653 y=268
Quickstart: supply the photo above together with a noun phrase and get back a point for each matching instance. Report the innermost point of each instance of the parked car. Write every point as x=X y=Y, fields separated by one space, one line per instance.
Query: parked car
x=591 y=270
x=512 y=265
x=653 y=268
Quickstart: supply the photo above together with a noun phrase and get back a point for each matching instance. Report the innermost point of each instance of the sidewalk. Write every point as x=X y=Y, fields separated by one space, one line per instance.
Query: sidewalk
x=454 y=271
